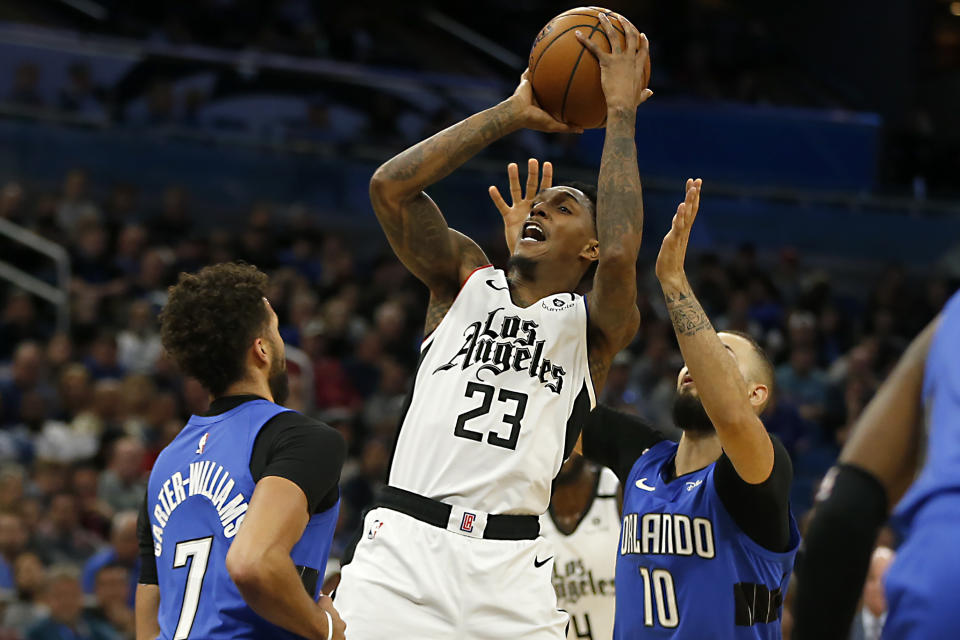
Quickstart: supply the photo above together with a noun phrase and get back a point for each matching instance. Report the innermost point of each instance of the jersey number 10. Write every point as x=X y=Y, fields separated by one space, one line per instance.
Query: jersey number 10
x=658 y=587
x=510 y=442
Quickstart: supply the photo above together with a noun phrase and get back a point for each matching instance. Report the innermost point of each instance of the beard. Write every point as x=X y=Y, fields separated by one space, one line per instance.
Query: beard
x=689 y=414
x=278 y=382
x=525 y=268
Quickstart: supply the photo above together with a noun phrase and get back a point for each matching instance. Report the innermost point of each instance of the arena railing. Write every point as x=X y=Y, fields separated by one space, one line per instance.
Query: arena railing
x=57 y=295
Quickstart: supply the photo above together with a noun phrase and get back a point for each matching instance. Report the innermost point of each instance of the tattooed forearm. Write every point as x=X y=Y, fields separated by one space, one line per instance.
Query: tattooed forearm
x=686 y=313
x=620 y=199
x=436 y=157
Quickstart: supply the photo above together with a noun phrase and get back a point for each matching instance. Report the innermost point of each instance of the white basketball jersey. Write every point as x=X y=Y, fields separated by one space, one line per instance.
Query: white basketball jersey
x=585 y=562
x=498 y=399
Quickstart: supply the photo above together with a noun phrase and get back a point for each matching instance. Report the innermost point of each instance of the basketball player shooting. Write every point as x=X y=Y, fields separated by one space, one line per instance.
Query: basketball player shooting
x=506 y=375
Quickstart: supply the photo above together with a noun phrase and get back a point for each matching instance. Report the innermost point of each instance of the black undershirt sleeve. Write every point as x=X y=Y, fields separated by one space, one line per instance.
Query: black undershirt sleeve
x=290 y=445
x=306 y=452
x=148 y=561
x=616 y=439
x=762 y=511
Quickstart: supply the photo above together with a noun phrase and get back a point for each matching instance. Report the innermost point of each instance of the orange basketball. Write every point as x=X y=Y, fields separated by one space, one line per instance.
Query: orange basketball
x=565 y=76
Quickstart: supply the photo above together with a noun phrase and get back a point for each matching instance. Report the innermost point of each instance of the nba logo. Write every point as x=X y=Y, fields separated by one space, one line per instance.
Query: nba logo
x=467 y=523
x=203 y=442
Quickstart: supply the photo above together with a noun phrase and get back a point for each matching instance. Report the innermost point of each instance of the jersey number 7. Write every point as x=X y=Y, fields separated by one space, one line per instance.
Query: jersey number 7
x=199 y=551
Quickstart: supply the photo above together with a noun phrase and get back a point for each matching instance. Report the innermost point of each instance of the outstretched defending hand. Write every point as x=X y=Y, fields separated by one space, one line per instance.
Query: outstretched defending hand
x=674 y=248
x=622 y=71
x=530 y=115
x=520 y=203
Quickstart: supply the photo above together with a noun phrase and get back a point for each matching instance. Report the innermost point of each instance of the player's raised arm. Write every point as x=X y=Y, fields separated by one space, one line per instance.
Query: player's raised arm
x=614 y=317
x=722 y=388
x=414 y=225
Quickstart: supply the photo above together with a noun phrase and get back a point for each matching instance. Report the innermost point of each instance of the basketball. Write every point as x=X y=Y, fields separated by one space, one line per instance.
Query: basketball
x=565 y=76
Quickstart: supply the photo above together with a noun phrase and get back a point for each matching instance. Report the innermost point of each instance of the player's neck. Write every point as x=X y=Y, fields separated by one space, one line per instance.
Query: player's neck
x=250 y=387
x=527 y=288
x=696 y=452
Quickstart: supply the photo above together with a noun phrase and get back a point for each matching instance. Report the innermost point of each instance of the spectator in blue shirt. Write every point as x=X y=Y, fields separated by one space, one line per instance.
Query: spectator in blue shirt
x=64 y=597
x=123 y=550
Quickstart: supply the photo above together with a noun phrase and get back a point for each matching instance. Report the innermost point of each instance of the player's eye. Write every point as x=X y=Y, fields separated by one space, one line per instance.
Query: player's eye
x=564 y=210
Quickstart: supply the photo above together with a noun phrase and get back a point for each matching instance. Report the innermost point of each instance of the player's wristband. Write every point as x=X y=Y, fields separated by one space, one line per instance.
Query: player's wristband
x=836 y=553
x=329 y=625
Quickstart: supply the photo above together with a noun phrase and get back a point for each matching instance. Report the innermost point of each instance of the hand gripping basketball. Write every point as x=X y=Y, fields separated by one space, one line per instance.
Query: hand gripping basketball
x=623 y=74
x=531 y=116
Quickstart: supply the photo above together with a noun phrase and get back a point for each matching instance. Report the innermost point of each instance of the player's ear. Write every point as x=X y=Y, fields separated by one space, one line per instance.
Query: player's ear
x=591 y=251
x=259 y=350
x=759 y=396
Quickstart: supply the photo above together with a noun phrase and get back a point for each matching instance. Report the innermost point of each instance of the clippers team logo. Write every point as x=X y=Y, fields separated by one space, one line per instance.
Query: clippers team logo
x=203 y=443
x=467 y=523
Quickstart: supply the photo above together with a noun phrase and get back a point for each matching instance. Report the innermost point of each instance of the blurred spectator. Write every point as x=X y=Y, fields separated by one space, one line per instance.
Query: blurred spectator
x=75 y=204
x=868 y=623
x=382 y=410
x=172 y=223
x=123 y=552
x=113 y=599
x=59 y=538
x=13 y=541
x=26 y=374
x=80 y=95
x=27 y=607
x=800 y=382
x=358 y=492
x=103 y=361
x=54 y=441
x=94 y=512
x=19 y=322
x=64 y=598
x=122 y=484
x=24 y=91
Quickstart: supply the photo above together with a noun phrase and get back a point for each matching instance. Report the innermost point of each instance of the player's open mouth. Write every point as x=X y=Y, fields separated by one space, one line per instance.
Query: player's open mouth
x=533 y=232
x=686 y=380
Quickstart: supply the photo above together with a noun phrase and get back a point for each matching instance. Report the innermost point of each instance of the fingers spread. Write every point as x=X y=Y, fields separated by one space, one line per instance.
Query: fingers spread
x=498 y=200
x=547 y=180
x=533 y=177
x=513 y=172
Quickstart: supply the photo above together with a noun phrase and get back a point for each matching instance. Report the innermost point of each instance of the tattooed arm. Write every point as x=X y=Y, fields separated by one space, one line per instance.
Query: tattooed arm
x=614 y=317
x=720 y=384
x=416 y=229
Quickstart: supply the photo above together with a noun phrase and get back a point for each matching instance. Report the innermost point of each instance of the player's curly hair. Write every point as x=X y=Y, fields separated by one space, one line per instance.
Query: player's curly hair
x=210 y=319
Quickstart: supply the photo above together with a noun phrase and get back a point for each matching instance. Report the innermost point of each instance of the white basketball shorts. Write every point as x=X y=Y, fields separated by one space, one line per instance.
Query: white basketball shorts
x=410 y=580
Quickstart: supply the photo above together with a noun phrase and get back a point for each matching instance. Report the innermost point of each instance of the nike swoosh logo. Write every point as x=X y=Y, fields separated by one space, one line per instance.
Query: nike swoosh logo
x=492 y=285
x=642 y=484
x=539 y=563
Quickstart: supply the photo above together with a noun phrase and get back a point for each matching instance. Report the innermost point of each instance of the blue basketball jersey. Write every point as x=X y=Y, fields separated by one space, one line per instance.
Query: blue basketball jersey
x=197 y=498
x=941 y=395
x=684 y=568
